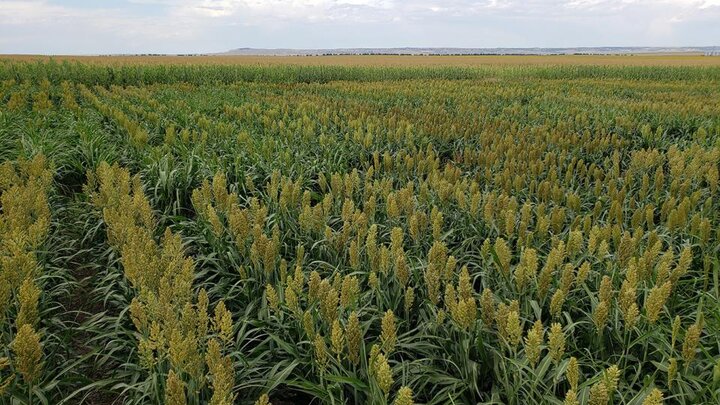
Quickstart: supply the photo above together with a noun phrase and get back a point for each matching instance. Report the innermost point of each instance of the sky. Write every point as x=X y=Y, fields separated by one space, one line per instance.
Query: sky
x=203 y=26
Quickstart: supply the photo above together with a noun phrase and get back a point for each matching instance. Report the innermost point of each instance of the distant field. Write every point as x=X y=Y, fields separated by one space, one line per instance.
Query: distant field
x=394 y=60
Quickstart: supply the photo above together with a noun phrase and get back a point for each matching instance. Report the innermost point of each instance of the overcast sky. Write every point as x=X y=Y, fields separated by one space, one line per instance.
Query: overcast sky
x=184 y=26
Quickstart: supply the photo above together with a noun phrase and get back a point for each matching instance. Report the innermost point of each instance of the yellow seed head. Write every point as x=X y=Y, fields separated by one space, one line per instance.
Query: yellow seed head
x=582 y=273
x=146 y=352
x=533 y=342
x=28 y=353
x=337 y=339
x=606 y=290
x=396 y=240
x=603 y=249
x=571 y=398
x=514 y=328
x=409 y=299
x=450 y=298
x=270 y=256
x=599 y=394
x=504 y=255
x=662 y=269
x=308 y=324
x=175 y=390
x=574 y=242
x=354 y=338
x=263 y=400
x=556 y=303
x=465 y=288
x=383 y=373
x=573 y=373
x=654 y=398
x=611 y=376
x=298 y=279
x=222 y=323
x=392 y=207
x=529 y=266
x=628 y=289
x=487 y=307
x=221 y=370
x=600 y=316
x=556 y=342
x=656 y=301
x=371 y=247
x=414 y=227
x=239 y=225
x=485 y=248
x=437 y=223
x=354 y=254
x=465 y=313
x=320 y=351
x=388 y=335
x=215 y=221
x=350 y=291
x=402 y=272
x=138 y=315
x=450 y=266
x=625 y=249
x=314 y=286
x=544 y=280
x=566 y=279
x=404 y=396
x=28 y=297
x=440 y=317
x=291 y=298
x=683 y=264
x=329 y=304
x=282 y=269
x=373 y=281
x=501 y=320
x=374 y=353
x=520 y=276
x=692 y=338
x=272 y=297
x=385 y=260
x=437 y=260
x=631 y=314
x=182 y=351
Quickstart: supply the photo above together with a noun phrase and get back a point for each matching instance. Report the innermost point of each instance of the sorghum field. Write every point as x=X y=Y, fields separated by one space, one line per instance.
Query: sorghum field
x=187 y=234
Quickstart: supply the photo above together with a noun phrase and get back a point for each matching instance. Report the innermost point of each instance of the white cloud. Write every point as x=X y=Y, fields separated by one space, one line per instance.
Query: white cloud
x=23 y=12
x=212 y=25
x=42 y=22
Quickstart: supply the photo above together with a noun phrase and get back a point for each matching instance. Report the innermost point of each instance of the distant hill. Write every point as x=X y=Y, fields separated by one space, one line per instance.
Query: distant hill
x=708 y=50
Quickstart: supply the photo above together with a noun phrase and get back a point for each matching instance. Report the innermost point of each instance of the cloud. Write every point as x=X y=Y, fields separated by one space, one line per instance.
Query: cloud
x=24 y=12
x=88 y=26
x=54 y=27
